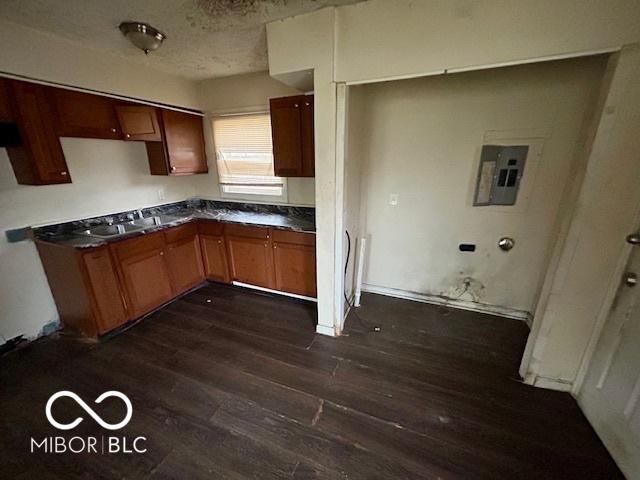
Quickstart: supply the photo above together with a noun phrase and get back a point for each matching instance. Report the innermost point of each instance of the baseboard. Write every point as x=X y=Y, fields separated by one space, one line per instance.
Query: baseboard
x=277 y=292
x=324 y=330
x=549 y=383
x=461 y=304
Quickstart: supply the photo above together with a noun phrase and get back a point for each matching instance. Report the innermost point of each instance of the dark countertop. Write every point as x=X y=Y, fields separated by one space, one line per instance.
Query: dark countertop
x=299 y=219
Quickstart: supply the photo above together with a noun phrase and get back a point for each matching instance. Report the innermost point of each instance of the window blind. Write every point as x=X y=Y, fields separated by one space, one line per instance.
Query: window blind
x=244 y=152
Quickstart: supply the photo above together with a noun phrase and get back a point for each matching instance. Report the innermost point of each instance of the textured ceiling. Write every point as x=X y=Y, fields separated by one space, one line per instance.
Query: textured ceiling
x=205 y=38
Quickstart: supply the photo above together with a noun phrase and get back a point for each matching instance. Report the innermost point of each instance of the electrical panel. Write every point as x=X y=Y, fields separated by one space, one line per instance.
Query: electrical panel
x=500 y=173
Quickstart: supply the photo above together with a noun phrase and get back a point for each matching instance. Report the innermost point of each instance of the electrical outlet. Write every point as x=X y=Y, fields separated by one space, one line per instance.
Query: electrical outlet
x=393 y=199
x=161 y=194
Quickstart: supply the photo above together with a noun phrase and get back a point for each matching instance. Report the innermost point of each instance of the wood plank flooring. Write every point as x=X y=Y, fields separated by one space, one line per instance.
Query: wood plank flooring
x=230 y=383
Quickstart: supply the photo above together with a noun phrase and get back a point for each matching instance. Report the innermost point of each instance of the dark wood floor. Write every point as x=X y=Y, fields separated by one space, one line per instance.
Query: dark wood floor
x=228 y=383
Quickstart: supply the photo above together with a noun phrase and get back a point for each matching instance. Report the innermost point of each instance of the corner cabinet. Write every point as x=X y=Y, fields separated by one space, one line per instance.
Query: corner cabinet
x=139 y=122
x=292 y=136
x=182 y=150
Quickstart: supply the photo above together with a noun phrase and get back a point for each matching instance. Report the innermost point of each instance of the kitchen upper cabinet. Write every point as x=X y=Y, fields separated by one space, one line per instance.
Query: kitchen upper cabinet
x=214 y=252
x=250 y=255
x=294 y=256
x=292 y=136
x=38 y=159
x=184 y=258
x=139 y=122
x=6 y=112
x=182 y=151
x=84 y=115
x=144 y=272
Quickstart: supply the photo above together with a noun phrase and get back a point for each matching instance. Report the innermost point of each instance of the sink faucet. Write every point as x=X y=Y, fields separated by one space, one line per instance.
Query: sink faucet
x=139 y=211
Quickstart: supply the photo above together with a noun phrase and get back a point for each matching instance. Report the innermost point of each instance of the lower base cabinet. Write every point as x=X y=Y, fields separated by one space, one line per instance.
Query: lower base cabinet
x=250 y=255
x=214 y=252
x=184 y=259
x=144 y=272
x=294 y=259
x=85 y=286
x=98 y=289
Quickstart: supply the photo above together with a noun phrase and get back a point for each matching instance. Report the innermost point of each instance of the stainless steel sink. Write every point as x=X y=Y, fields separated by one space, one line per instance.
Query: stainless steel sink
x=154 y=221
x=108 y=231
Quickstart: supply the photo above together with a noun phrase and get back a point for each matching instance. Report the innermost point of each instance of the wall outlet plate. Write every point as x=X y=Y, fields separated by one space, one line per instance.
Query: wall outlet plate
x=393 y=199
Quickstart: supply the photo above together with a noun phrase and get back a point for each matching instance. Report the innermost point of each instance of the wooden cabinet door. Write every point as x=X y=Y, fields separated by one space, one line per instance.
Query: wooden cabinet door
x=251 y=260
x=6 y=113
x=144 y=273
x=307 y=135
x=139 y=122
x=185 y=264
x=184 y=139
x=294 y=257
x=214 y=258
x=104 y=290
x=84 y=115
x=286 y=133
x=39 y=159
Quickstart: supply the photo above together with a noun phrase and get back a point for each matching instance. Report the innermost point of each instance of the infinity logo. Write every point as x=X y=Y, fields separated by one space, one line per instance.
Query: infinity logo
x=89 y=410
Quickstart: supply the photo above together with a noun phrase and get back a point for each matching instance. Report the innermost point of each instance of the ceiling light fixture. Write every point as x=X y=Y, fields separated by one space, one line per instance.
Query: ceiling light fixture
x=142 y=35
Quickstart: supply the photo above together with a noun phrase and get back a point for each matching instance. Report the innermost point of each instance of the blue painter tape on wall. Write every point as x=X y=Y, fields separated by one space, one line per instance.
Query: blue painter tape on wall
x=17 y=234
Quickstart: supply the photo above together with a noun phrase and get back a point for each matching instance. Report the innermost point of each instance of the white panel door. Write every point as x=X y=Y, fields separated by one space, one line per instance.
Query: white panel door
x=610 y=395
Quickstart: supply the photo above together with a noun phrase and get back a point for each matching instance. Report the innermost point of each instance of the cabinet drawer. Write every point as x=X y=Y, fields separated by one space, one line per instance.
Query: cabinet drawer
x=138 y=245
x=247 y=232
x=298 y=238
x=181 y=231
x=208 y=227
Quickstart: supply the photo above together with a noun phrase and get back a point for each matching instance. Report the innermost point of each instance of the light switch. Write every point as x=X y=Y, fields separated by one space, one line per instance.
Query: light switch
x=393 y=199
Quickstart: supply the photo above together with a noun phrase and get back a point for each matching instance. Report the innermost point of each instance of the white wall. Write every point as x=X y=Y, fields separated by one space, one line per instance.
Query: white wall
x=382 y=39
x=43 y=56
x=421 y=139
x=108 y=176
x=238 y=94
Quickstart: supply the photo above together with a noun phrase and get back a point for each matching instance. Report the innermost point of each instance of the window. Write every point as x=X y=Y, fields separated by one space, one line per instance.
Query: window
x=244 y=155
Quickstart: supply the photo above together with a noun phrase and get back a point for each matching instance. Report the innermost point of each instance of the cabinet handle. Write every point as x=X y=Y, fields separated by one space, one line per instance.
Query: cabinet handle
x=63 y=173
x=295 y=105
x=161 y=253
x=219 y=241
x=173 y=169
x=306 y=104
x=113 y=130
x=128 y=136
